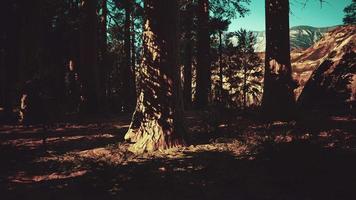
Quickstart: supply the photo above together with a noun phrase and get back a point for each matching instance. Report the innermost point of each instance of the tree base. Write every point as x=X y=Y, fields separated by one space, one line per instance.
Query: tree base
x=151 y=136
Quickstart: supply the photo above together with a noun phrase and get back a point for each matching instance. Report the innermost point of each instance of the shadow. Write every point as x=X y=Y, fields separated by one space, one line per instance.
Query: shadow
x=296 y=170
x=329 y=90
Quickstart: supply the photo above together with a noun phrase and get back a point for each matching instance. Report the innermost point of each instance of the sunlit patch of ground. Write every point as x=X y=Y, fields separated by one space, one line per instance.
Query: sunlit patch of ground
x=21 y=177
x=94 y=156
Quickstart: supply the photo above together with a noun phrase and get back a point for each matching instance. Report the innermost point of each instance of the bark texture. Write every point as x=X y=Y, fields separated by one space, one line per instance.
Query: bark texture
x=157 y=120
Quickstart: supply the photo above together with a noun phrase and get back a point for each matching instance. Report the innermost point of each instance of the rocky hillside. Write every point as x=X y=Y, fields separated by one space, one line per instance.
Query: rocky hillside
x=326 y=71
x=301 y=37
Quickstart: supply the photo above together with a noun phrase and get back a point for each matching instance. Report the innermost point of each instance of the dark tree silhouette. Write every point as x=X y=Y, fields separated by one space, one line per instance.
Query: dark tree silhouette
x=278 y=98
x=187 y=23
x=219 y=25
x=128 y=71
x=9 y=42
x=88 y=62
x=104 y=62
x=203 y=78
x=157 y=120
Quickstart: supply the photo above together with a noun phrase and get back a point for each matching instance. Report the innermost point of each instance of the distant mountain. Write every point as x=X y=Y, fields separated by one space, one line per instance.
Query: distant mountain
x=301 y=37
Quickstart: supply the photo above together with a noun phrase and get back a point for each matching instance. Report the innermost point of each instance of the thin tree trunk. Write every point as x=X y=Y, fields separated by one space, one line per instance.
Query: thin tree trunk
x=221 y=68
x=127 y=75
x=188 y=59
x=133 y=53
x=244 y=87
x=157 y=120
x=203 y=84
x=278 y=98
x=104 y=68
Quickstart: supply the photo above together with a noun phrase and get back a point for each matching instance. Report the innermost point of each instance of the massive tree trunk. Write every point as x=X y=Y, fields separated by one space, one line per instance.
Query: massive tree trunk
x=89 y=55
x=188 y=59
x=128 y=75
x=157 y=121
x=278 y=99
x=203 y=83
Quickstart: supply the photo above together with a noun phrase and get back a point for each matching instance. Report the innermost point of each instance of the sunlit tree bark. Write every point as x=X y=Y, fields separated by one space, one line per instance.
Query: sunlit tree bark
x=157 y=121
x=278 y=99
x=203 y=83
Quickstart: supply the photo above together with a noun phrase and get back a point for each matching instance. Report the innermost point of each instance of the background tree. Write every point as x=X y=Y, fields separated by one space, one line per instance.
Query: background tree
x=218 y=26
x=128 y=75
x=187 y=29
x=223 y=10
x=157 y=120
x=243 y=70
x=350 y=13
x=250 y=65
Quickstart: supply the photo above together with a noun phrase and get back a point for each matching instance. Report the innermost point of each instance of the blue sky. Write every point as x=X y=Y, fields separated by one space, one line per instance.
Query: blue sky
x=329 y=14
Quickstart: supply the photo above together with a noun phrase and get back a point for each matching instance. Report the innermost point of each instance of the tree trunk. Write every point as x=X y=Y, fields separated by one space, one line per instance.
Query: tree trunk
x=9 y=44
x=104 y=68
x=89 y=55
x=133 y=49
x=203 y=84
x=245 y=86
x=188 y=54
x=278 y=99
x=221 y=68
x=157 y=121
x=133 y=55
x=128 y=75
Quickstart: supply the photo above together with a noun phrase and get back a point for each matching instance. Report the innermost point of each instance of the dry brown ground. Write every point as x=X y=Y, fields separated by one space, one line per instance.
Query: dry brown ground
x=243 y=159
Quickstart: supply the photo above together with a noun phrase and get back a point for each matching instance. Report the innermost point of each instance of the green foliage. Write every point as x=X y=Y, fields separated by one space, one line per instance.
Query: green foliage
x=218 y=25
x=350 y=13
x=229 y=9
x=243 y=68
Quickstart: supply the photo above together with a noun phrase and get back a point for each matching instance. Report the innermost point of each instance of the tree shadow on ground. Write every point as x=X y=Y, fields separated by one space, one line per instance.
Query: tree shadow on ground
x=295 y=170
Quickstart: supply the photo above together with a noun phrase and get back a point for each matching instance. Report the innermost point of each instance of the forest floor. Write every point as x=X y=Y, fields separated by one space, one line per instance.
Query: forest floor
x=242 y=159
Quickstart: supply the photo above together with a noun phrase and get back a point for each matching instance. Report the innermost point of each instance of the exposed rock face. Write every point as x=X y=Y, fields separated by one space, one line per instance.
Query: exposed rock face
x=326 y=72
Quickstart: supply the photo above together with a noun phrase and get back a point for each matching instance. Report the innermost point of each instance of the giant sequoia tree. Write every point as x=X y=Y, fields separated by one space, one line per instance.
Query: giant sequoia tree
x=157 y=120
x=278 y=98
